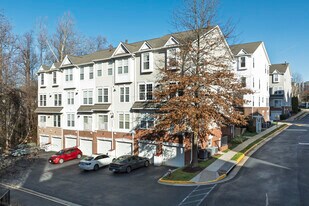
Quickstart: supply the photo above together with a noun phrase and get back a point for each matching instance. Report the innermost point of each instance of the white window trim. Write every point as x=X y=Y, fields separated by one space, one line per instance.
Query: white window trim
x=124 y=120
x=88 y=97
x=150 y=62
x=124 y=95
x=89 y=117
x=71 y=120
x=145 y=84
x=107 y=123
x=274 y=78
x=54 y=76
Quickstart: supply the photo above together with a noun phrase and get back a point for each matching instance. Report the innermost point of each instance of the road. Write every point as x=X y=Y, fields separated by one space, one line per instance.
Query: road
x=276 y=174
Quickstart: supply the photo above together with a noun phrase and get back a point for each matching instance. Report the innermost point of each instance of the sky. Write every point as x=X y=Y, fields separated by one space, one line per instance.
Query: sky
x=281 y=24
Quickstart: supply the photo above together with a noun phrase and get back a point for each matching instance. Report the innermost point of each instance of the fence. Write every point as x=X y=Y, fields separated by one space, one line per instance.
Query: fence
x=5 y=199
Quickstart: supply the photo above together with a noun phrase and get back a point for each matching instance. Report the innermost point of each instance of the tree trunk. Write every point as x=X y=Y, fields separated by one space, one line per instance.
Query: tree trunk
x=194 y=147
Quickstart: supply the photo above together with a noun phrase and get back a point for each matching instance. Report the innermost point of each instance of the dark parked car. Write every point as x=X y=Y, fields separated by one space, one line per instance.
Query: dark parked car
x=127 y=163
x=24 y=149
x=65 y=155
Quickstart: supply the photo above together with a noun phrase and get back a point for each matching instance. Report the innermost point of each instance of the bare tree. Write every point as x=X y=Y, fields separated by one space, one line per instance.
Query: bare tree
x=198 y=90
x=296 y=81
x=42 y=40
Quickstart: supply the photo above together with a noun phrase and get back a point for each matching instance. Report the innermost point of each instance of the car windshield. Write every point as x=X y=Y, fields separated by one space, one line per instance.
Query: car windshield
x=121 y=159
x=88 y=158
x=60 y=152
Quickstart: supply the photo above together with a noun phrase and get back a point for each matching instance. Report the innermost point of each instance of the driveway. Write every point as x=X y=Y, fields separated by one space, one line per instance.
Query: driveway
x=68 y=183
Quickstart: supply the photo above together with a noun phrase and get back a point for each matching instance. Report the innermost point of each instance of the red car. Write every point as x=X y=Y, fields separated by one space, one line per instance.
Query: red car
x=65 y=155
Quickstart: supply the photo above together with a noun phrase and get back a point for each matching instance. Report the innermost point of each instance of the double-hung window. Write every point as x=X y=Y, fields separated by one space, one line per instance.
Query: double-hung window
x=172 y=58
x=42 y=78
x=145 y=91
x=54 y=77
x=71 y=120
x=69 y=75
x=70 y=98
x=123 y=66
x=124 y=94
x=88 y=123
x=57 y=120
x=275 y=78
x=43 y=121
x=87 y=97
x=43 y=100
x=82 y=73
x=103 y=95
x=91 y=72
x=146 y=61
x=242 y=61
x=99 y=69
x=124 y=121
x=110 y=68
x=57 y=99
x=147 y=122
x=103 y=122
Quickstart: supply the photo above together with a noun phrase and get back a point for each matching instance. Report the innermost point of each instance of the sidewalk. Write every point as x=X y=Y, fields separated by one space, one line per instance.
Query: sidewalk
x=221 y=167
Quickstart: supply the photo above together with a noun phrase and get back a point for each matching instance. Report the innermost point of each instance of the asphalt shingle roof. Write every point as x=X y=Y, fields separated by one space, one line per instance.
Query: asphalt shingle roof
x=279 y=67
x=248 y=47
x=48 y=110
x=93 y=108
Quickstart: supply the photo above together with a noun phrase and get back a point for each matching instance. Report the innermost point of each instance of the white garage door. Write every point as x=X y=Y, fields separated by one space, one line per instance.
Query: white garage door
x=173 y=156
x=147 y=150
x=85 y=145
x=103 y=146
x=56 y=143
x=70 y=142
x=123 y=148
x=44 y=140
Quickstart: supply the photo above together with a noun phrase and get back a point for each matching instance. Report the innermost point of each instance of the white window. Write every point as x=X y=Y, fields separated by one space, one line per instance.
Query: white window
x=123 y=66
x=82 y=73
x=57 y=120
x=124 y=121
x=70 y=98
x=145 y=91
x=103 y=95
x=42 y=121
x=43 y=100
x=275 y=78
x=42 y=78
x=103 y=122
x=146 y=62
x=90 y=72
x=124 y=94
x=88 y=123
x=71 y=120
x=57 y=100
x=242 y=61
x=110 y=68
x=172 y=62
x=99 y=70
x=87 y=97
x=69 y=75
x=147 y=122
x=54 y=78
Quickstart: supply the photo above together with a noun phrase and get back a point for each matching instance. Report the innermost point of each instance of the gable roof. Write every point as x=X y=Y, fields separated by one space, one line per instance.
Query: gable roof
x=281 y=68
x=247 y=47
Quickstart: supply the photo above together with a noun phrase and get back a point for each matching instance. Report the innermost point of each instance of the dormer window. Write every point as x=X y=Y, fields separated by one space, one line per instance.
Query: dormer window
x=275 y=78
x=242 y=61
x=54 y=78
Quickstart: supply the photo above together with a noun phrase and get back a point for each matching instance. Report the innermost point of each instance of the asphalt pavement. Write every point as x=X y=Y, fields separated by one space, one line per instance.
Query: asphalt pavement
x=276 y=174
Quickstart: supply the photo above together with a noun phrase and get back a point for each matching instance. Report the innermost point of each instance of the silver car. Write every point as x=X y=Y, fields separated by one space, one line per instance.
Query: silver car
x=95 y=162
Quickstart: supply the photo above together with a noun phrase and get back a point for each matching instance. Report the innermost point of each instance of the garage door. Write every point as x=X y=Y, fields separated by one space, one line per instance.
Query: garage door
x=173 y=156
x=123 y=148
x=147 y=150
x=70 y=142
x=85 y=145
x=44 y=140
x=104 y=146
x=56 y=143
x=275 y=115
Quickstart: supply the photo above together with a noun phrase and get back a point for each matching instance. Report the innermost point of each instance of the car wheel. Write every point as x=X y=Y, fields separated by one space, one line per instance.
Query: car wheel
x=61 y=161
x=18 y=155
x=79 y=156
x=96 y=167
x=128 y=170
x=146 y=163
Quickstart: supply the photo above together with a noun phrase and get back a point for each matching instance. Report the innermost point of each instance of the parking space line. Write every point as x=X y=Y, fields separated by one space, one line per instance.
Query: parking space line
x=41 y=195
x=203 y=195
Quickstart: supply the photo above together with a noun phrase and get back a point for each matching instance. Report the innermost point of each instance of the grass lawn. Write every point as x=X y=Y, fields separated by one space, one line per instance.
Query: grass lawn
x=186 y=173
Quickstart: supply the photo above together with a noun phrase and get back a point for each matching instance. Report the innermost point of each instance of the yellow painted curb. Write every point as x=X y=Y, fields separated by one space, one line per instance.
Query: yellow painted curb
x=175 y=181
x=240 y=158
x=219 y=178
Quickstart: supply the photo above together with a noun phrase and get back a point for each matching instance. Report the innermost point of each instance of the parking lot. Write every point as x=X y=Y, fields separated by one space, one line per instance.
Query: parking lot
x=67 y=182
